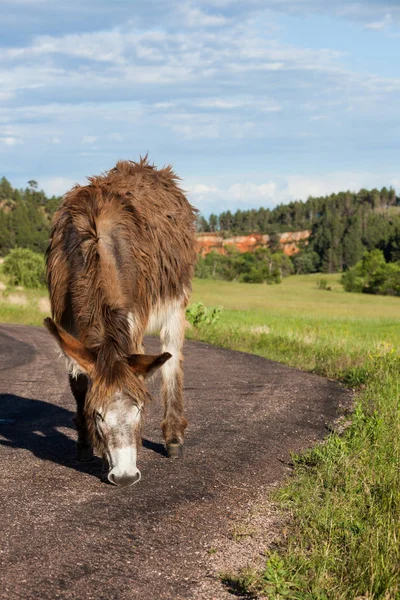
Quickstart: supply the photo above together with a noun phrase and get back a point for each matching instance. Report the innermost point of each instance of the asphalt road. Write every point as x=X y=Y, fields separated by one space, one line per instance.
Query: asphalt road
x=67 y=534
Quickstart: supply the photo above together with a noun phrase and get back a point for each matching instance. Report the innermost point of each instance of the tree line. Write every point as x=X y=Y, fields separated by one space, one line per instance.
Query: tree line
x=343 y=226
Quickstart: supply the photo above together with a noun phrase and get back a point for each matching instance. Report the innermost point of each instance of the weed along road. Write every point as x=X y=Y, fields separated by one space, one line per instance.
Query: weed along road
x=67 y=534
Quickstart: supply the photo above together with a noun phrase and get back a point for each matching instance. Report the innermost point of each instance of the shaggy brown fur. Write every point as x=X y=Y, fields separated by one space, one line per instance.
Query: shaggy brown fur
x=124 y=243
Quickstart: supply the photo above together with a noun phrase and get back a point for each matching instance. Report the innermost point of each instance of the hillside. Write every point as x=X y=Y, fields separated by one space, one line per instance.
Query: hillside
x=342 y=227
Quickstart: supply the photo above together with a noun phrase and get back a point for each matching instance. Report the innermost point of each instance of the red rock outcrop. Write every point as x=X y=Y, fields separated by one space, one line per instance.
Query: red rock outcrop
x=215 y=242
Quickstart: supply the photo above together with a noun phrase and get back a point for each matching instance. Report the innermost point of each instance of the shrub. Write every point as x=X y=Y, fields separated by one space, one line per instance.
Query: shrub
x=306 y=262
x=198 y=314
x=261 y=266
x=25 y=267
x=372 y=275
x=322 y=284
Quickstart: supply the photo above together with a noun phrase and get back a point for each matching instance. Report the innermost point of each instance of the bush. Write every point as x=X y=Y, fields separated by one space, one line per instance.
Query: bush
x=198 y=314
x=322 y=284
x=25 y=267
x=261 y=266
x=373 y=275
x=306 y=262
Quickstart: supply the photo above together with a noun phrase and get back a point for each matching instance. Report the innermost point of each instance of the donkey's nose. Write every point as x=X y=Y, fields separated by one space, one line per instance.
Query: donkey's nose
x=124 y=480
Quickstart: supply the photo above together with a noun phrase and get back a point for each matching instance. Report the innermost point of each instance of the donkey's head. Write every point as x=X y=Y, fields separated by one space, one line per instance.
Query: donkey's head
x=114 y=401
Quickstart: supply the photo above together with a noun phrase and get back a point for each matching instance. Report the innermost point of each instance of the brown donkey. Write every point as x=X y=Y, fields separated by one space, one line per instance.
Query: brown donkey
x=119 y=264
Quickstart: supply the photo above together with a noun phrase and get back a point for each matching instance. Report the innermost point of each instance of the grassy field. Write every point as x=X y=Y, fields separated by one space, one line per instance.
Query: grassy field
x=330 y=332
x=343 y=499
x=25 y=306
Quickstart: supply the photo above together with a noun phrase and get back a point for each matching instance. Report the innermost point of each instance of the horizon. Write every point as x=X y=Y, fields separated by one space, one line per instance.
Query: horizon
x=254 y=105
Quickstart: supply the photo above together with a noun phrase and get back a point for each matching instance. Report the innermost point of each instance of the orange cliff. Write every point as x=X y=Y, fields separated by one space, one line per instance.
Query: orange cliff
x=215 y=242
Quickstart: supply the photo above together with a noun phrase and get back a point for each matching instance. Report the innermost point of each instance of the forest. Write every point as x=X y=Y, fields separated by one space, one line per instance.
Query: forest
x=343 y=226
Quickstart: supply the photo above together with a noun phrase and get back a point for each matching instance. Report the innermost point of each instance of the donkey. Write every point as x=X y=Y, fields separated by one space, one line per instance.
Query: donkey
x=119 y=264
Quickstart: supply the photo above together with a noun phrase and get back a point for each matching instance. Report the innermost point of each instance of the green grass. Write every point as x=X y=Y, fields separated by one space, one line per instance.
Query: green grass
x=24 y=306
x=329 y=332
x=343 y=498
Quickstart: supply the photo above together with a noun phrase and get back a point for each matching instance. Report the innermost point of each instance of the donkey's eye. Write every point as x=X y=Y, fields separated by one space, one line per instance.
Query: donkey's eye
x=99 y=416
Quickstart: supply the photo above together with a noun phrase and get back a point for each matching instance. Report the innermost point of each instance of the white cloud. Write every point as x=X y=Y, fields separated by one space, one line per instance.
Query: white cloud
x=376 y=25
x=377 y=14
x=238 y=103
x=300 y=187
x=89 y=139
x=126 y=60
x=212 y=198
x=5 y=95
x=26 y=2
x=101 y=46
x=116 y=137
x=10 y=141
x=56 y=186
x=381 y=24
x=194 y=17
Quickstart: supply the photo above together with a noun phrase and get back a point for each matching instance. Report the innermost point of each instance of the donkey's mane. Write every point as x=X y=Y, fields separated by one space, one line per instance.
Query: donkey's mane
x=121 y=244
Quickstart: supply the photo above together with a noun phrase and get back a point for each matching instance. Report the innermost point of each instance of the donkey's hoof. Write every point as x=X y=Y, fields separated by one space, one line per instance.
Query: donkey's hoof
x=174 y=450
x=84 y=454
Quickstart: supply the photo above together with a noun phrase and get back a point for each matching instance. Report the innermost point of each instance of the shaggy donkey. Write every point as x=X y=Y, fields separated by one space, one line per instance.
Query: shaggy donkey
x=119 y=264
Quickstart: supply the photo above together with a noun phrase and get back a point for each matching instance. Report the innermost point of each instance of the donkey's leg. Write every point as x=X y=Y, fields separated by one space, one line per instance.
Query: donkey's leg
x=174 y=423
x=79 y=387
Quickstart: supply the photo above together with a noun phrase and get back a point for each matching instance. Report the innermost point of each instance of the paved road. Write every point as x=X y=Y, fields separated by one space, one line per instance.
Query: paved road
x=66 y=534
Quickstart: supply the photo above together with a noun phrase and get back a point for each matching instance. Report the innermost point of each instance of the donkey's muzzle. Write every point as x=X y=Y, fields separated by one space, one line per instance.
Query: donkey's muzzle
x=124 y=480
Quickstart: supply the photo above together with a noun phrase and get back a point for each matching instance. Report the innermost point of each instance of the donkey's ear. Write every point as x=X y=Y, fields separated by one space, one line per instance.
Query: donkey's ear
x=72 y=348
x=147 y=364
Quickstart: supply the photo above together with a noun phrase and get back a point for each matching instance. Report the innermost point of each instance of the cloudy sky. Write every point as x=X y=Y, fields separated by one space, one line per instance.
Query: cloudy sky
x=254 y=102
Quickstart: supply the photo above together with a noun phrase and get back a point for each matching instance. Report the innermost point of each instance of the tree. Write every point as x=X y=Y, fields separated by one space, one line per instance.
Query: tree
x=33 y=185
x=274 y=243
x=372 y=275
x=306 y=262
x=352 y=243
x=202 y=224
x=6 y=191
x=6 y=235
x=213 y=222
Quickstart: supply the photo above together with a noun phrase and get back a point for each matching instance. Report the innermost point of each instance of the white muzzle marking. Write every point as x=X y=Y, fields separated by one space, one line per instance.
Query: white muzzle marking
x=123 y=461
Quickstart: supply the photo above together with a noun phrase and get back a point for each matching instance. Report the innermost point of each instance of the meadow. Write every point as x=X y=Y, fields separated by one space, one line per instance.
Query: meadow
x=23 y=306
x=330 y=332
x=342 y=499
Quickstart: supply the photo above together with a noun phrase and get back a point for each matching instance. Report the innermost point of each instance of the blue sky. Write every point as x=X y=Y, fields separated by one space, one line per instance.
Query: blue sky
x=253 y=102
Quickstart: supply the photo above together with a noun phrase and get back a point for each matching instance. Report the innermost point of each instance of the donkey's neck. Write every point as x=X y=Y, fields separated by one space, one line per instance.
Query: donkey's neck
x=109 y=334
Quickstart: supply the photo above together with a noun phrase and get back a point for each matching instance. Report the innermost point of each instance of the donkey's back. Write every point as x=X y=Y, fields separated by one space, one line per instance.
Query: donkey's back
x=131 y=231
